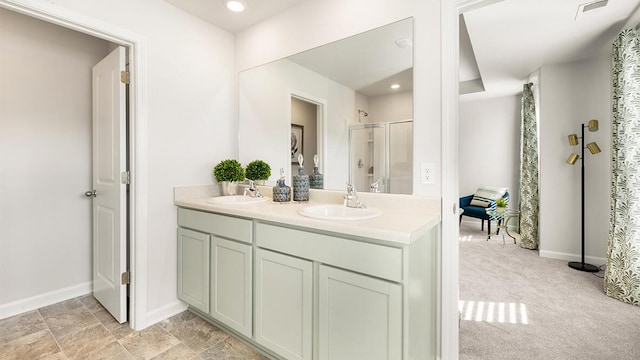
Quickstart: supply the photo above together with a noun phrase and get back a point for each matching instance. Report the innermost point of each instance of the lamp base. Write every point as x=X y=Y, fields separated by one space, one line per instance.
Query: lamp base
x=583 y=266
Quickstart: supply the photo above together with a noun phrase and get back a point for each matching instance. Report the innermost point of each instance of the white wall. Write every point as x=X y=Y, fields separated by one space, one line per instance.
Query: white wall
x=190 y=92
x=45 y=158
x=489 y=145
x=572 y=94
x=390 y=107
x=315 y=23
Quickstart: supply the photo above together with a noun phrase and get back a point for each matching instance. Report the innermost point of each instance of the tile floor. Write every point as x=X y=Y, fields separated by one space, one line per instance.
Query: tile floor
x=81 y=328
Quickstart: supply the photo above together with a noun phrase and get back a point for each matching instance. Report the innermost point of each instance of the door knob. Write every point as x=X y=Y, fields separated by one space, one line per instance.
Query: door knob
x=90 y=193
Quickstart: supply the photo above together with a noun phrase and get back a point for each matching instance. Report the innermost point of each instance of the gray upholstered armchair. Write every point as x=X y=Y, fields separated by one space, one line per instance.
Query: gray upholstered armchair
x=479 y=212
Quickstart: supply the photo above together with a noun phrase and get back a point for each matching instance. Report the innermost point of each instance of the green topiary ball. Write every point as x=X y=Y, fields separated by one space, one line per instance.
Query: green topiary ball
x=258 y=170
x=228 y=170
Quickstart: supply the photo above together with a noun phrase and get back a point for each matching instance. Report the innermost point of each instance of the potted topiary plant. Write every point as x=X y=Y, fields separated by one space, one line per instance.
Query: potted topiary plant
x=501 y=205
x=228 y=173
x=258 y=171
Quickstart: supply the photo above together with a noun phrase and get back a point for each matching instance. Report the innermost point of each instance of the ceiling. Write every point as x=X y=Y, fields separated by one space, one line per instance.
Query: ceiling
x=368 y=62
x=502 y=43
x=513 y=38
x=216 y=13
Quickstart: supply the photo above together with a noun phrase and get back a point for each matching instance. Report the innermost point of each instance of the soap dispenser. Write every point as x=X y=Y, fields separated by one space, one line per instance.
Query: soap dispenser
x=281 y=192
x=316 y=180
x=301 y=183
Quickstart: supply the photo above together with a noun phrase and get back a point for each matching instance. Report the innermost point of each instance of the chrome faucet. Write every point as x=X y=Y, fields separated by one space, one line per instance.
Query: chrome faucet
x=351 y=199
x=252 y=189
x=375 y=187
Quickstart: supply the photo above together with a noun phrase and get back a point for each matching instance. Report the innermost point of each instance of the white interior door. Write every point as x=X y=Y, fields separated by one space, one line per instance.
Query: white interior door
x=109 y=202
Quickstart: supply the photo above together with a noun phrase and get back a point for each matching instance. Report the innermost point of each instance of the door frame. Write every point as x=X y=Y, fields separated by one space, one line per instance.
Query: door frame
x=321 y=125
x=449 y=262
x=137 y=216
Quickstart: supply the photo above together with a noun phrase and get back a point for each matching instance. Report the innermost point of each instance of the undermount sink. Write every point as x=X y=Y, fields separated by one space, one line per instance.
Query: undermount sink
x=236 y=200
x=339 y=212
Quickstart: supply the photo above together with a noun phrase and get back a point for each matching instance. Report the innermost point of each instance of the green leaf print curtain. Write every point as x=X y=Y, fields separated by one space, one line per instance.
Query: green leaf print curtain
x=622 y=277
x=529 y=201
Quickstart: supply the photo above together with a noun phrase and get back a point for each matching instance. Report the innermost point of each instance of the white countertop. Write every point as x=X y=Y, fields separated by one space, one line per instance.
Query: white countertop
x=404 y=218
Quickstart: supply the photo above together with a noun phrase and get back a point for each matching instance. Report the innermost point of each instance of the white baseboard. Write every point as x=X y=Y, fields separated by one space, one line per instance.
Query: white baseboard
x=593 y=260
x=165 y=312
x=38 y=301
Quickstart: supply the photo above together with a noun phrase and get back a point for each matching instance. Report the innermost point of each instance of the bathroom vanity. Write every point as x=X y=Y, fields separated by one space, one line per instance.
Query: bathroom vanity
x=303 y=288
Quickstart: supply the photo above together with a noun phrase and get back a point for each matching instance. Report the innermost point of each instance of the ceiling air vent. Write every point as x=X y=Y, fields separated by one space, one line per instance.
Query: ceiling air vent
x=583 y=8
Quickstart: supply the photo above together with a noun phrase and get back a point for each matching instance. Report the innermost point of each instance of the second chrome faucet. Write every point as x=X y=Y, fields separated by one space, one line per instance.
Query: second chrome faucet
x=351 y=198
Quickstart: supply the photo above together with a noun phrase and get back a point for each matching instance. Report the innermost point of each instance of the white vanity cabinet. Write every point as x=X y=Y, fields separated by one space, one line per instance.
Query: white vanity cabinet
x=284 y=304
x=297 y=289
x=215 y=271
x=360 y=317
x=358 y=301
x=231 y=284
x=193 y=268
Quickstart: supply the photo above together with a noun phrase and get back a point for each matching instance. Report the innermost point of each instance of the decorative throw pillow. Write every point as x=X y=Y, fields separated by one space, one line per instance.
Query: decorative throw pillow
x=485 y=195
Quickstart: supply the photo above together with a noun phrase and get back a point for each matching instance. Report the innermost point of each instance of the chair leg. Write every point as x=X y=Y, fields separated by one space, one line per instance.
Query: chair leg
x=488 y=229
x=482 y=226
x=498 y=231
x=460 y=222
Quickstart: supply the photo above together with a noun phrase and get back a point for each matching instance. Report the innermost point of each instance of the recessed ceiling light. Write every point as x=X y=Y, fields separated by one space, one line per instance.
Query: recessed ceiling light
x=235 y=5
x=395 y=86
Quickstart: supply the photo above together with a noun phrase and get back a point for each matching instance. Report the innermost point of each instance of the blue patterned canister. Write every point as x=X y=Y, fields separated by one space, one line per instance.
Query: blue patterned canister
x=281 y=192
x=301 y=186
x=316 y=180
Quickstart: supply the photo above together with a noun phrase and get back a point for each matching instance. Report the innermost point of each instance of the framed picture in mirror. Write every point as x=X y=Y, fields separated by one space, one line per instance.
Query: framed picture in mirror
x=297 y=132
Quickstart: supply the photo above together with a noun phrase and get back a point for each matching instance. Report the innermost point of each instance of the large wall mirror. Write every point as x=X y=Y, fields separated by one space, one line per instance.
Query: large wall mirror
x=350 y=102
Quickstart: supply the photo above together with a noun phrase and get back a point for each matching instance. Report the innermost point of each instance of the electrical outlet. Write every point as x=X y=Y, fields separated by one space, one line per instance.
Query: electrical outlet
x=427 y=173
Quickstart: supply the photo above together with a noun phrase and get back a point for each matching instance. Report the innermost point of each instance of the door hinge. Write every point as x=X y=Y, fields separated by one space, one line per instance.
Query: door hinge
x=124 y=77
x=125 y=278
x=125 y=178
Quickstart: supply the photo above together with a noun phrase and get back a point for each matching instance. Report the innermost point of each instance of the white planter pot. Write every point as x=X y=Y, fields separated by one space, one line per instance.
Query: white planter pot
x=229 y=187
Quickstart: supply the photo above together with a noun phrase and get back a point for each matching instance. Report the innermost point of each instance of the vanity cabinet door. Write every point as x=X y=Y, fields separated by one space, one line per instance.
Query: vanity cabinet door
x=360 y=317
x=193 y=268
x=284 y=306
x=231 y=284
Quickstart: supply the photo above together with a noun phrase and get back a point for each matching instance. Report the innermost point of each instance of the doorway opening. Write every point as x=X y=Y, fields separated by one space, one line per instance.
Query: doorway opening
x=135 y=47
x=308 y=119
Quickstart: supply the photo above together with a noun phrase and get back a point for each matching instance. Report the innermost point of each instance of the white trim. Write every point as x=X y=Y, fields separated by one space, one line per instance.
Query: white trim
x=468 y=5
x=597 y=261
x=136 y=45
x=321 y=125
x=448 y=262
x=38 y=301
x=165 y=312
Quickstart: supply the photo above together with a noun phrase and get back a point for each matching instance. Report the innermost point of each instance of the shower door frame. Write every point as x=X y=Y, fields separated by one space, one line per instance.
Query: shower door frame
x=387 y=153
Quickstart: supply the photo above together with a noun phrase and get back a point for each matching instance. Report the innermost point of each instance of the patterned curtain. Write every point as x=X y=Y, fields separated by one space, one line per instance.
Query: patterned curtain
x=622 y=277
x=529 y=201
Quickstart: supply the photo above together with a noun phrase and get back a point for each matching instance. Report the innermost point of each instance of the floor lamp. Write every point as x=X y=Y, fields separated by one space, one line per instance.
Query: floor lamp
x=573 y=158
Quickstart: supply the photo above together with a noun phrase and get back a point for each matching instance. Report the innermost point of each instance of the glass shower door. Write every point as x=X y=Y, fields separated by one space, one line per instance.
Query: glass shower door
x=367 y=160
x=401 y=157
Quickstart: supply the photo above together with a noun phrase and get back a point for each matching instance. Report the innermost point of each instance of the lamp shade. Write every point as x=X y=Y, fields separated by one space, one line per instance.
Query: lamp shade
x=594 y=148
x=573 y=139
x=593 y=125
x=573 y=158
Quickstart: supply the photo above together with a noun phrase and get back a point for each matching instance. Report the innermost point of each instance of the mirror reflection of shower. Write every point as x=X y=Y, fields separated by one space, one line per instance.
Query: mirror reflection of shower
x=381 y=156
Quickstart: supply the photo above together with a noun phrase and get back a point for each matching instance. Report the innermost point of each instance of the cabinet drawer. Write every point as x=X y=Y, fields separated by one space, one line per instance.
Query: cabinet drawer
x=224 y=226
x=373 y=259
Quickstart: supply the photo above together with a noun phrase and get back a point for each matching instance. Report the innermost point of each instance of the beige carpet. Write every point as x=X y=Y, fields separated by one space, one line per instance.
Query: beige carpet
x=517 y=305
